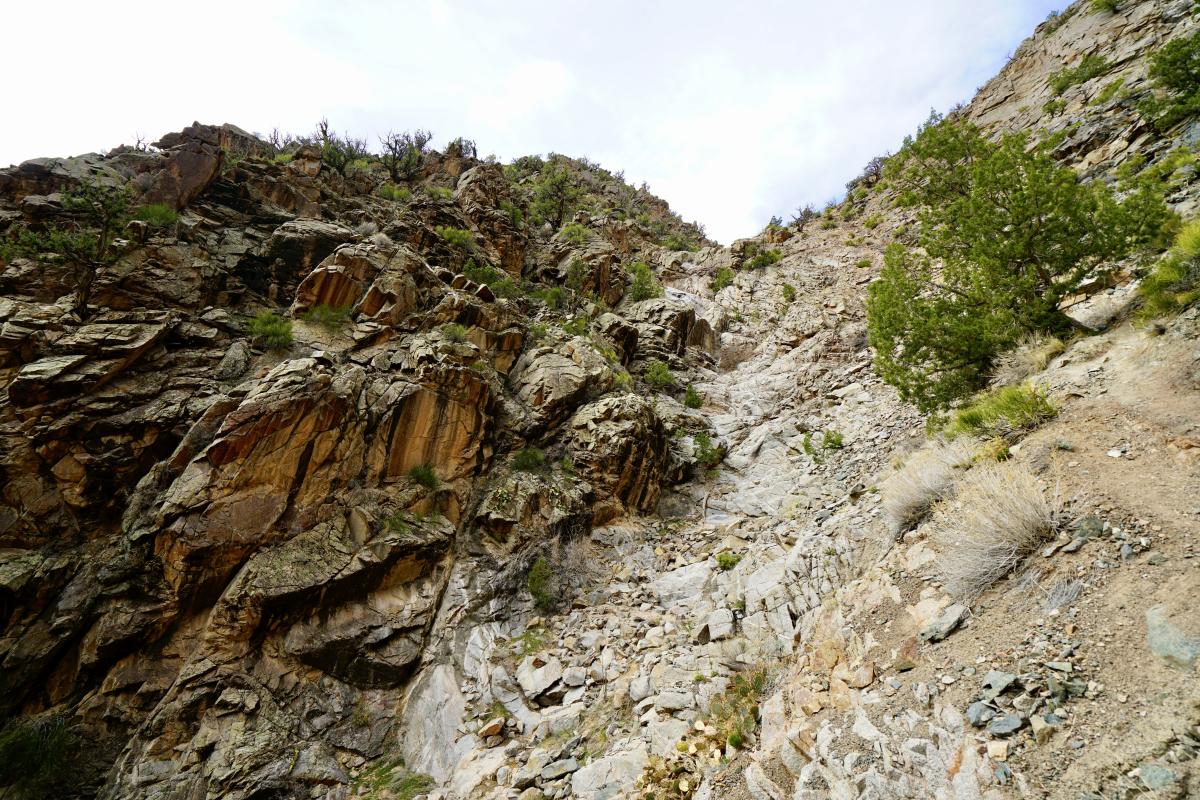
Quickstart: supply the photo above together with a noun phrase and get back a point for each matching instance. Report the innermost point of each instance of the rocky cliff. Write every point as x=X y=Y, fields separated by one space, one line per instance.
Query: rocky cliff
x=464 y=533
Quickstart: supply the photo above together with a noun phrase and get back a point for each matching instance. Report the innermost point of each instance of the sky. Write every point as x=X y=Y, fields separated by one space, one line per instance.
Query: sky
x=731 y=111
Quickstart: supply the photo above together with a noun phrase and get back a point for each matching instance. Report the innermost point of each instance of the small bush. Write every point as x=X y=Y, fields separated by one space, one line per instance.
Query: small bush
x=764 y=258
x=578 y=326
x=38 y=758
x=456 y=236
x=1089 y=67
x=482 y=273
x=439 y=193
x=454 y=332
x=692 y=398
x=1001 y=412
x=390 y=191
x=274 y=331
x=1028 y=358
x=1054 y=107
x=727 y=561
x=862 y=263
x=645 y=286
x=157 y=215
x=828 y=223
x=833 y=440
x=1099 y=6
x=528 y=459
x=551 y=297
x=541 y=585
x=328 y=317
x=658 y=375
x=998 y=517
x=1174 y=284
x=872 y=222
x=708 y=455
x=1109 y=92
x=925 y=478
x=424 y=475
x=789 y=293
x=1175 y=71
x=723 y=278
x=678 y=241
x=574 y=233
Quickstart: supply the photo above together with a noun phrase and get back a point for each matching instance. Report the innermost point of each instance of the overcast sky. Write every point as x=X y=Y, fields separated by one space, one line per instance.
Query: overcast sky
x=732 y=111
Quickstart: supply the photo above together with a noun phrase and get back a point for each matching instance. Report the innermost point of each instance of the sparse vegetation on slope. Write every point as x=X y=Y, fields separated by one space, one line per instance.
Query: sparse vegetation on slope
x=997 y=518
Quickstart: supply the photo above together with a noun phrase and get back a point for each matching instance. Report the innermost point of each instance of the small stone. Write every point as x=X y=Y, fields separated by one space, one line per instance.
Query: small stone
x=1060 y=666
x=1127 y=552
x=1005 y=725
x=1043 y=728
x=945 y=623
x=995 y=682
x=1154 y=777
x=1170 y=643
x=1156 y=558
x=997 y=751
x=949 y=680
x=559 y=768
x=492 y=727
x=979 y=714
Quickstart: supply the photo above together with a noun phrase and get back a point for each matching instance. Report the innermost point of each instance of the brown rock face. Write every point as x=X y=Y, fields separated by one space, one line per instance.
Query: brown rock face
x=619 y=446
x=483 y=193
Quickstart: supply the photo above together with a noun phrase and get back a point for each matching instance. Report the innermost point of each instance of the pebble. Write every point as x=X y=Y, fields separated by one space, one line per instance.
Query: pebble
x=1003 y=726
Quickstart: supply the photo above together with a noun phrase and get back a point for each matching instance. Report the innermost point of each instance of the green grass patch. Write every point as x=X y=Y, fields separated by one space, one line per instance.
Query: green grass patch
x=727 y=560
x=454 y=332
x=658 y=375
x=1000 y=412
x=272 y=330
x=424 y=475
x=1174 y=283
x=157 y=215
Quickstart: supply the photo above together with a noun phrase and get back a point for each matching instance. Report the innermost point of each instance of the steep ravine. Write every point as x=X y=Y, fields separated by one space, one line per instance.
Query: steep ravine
x=454 y=540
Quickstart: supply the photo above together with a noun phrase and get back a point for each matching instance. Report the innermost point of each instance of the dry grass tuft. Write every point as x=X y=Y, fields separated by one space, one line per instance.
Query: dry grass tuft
x=1028 y=358
x=926 y=478
x=998 y=517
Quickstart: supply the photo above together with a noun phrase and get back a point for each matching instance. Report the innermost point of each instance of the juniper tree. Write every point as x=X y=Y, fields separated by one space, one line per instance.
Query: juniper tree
x=1005 y=234
x=403 y=153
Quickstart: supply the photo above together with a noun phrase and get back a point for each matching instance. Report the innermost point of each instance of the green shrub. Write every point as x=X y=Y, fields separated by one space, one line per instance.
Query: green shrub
x=1054 y=107
x=727 y=560
x=274 y=331
x=1109 y=92
x=556 y=194
x=1098 y=6
x=574 y=233
x=424 y=475
x=157 y=215
x=576 y=327
x=515 y=216
x=390 y=191
x=645 y=286
x=551 y=297
x=862 y=263
x=828 y=223
x=658 y=375
x=439 y=193
x=1174 y=283
x=872 y=222
x=692 y=398
x=723 y=278
x=403 y=153
x=456 y=236
x=832 y=440
x=678 y=241
x=1000 y=412
x=328 y=317
x=528 y=459
x=764 y=258
x=38 y=758
x=537 y=332
x=1089 y=67
x=542 y=585
x=941 y=313
x=708 y=455
x=810 y=450
x=1175 y=71
x=454 y=332
x=789 y=293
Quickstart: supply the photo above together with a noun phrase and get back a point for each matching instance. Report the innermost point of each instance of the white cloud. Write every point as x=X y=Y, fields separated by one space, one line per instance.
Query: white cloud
x=732 y=112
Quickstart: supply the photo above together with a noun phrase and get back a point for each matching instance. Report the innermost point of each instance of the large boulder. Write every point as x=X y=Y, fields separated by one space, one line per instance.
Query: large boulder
x=619 y=445
x=664 y=326
x=552 y=380
x=481 y=192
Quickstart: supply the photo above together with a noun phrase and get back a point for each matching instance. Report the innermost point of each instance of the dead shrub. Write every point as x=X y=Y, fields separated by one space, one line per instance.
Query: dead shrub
x=923 y=480
x=998 y=517
x=1028 y=358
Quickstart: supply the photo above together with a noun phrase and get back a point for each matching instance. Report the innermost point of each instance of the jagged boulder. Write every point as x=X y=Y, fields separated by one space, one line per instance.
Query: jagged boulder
x=664 y=326
x=482 y=192
x=619 y=446
x=552 y=380
x=521 y=508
